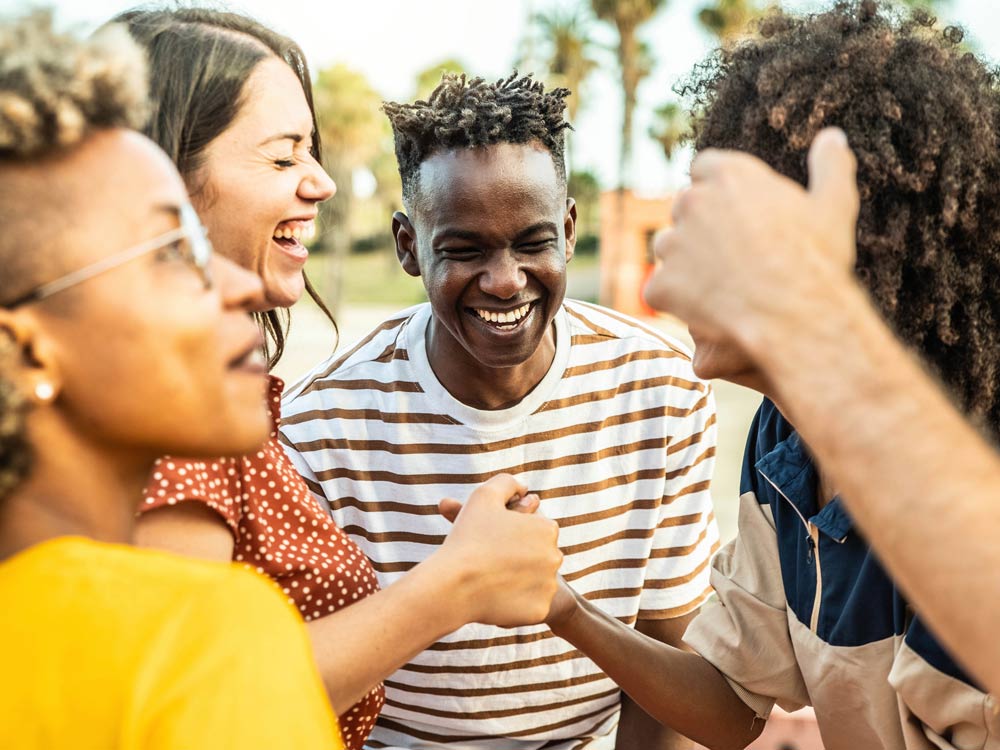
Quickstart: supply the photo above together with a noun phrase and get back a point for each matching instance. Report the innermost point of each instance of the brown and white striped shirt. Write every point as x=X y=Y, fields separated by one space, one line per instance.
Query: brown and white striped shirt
x=618 y=440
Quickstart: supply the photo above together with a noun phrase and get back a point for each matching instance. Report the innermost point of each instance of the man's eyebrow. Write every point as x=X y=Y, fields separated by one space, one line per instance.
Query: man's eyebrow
x=542 y=226
x=473 y=236
x=458 y=234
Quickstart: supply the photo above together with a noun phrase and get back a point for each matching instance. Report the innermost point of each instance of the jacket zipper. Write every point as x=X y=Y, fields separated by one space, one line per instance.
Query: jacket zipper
x=812 y=537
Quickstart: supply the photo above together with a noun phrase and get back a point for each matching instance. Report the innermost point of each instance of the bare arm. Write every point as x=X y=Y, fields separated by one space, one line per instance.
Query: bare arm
x=676 y=688
x=496 y=566
x=637 y=730
x=775 y=278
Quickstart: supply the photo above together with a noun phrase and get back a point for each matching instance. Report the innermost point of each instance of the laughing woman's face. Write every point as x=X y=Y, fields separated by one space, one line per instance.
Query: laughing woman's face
x=259 y=188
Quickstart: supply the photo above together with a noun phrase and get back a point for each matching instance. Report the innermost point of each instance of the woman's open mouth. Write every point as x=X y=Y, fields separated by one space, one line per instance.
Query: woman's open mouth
x=290 y=236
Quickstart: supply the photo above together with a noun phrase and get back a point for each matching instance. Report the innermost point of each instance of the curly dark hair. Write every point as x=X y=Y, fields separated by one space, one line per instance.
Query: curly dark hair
x=467 y=113
x=921 y=114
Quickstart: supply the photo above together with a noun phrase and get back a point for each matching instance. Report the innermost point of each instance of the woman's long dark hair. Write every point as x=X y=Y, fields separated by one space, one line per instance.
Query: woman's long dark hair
x=199 y=62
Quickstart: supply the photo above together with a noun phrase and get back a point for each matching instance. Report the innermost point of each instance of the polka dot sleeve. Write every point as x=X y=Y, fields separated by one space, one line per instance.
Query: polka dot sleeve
x=214 y=482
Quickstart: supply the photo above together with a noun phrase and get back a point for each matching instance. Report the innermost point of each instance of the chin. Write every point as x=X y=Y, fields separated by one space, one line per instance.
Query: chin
x=285 y=294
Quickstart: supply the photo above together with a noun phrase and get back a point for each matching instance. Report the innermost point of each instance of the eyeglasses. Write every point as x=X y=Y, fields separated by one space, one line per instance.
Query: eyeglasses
x=189 y=242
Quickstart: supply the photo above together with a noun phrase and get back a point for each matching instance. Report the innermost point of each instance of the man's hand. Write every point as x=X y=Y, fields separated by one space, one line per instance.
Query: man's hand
x=746 y=241
x=507 y=557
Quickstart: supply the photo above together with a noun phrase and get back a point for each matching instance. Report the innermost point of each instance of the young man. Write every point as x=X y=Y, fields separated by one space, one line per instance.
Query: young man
x=805 y=613
x=600 y=416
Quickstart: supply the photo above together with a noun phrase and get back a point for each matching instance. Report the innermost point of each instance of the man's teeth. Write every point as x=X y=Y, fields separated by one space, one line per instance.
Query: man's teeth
x=513 y=316
x=299 y=233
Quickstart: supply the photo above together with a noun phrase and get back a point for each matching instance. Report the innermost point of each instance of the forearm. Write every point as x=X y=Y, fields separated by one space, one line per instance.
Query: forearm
x=677 y=688
x=359 y=646
x=921 y=483
x=637 y=730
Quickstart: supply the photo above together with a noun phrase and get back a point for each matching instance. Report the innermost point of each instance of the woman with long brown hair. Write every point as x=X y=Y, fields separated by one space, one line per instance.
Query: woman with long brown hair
x=232 y=105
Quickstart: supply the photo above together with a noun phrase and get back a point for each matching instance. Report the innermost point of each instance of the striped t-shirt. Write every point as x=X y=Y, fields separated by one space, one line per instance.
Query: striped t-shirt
x=617 y=439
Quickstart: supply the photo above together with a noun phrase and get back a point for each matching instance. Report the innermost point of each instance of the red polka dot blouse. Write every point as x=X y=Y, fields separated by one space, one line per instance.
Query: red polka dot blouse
x=281 y=530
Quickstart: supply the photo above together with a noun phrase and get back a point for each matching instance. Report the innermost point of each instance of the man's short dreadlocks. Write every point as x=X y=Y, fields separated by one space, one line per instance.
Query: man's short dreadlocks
x=467 y=113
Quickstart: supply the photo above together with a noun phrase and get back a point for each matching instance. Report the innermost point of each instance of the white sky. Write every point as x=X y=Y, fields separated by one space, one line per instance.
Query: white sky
x=391 y=40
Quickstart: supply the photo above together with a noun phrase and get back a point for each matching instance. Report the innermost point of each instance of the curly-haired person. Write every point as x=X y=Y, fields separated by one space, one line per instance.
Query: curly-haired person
x=107 y=308
x=603 y=418
x=804 y=612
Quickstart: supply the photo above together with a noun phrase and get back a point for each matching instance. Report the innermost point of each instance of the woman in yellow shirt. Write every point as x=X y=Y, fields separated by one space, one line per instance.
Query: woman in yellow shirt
x=108 y=312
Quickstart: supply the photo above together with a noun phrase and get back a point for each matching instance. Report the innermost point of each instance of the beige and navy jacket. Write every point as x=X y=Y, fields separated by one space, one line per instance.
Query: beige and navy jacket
x=805 y=615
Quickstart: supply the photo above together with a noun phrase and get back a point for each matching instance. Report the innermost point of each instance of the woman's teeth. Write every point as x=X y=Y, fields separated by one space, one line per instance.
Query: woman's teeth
x=504 y=319
x=303 y=233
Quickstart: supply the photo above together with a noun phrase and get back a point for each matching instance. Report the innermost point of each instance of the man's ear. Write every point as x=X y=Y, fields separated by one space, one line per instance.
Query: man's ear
x=569 y=227
x=31 y=357
x=406 y=243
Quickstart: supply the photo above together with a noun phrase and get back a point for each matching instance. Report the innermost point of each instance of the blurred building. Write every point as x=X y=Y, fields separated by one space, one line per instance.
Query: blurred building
x=628 y=225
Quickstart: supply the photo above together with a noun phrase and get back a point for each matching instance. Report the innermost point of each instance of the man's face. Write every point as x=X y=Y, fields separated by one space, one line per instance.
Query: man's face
x=494 y=232
x=716 y=358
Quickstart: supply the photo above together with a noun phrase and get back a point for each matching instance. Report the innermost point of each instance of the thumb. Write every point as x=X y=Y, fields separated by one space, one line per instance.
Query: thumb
x=524 y=504
x=449 y=508
x=833 y=176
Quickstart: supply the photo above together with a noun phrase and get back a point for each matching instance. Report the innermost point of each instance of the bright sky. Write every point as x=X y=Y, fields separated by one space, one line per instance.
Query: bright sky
x=391 y=40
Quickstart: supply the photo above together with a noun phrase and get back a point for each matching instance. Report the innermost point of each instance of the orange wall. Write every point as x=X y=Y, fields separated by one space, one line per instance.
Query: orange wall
x=627 y=222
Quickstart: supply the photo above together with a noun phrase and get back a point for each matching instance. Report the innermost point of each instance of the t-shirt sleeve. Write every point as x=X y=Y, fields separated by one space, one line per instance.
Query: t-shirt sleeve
x=298 y=460
x=237 y=672
x=743 y=630
x=215 y=482
x=677 y=574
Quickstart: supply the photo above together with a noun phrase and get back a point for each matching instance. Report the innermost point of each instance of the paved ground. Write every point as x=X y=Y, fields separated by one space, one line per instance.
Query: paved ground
x=312 y=340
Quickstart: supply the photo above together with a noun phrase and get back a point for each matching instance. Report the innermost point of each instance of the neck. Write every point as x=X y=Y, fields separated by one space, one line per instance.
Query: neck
x=825 y=489
x=77 y=487
x=482 y=387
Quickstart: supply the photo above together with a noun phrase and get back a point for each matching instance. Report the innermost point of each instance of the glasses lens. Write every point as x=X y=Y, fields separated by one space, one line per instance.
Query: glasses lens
x=198 y=244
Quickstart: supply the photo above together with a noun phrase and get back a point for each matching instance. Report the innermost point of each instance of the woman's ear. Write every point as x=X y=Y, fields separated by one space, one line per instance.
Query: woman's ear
x=28 y=357
x=406 y=243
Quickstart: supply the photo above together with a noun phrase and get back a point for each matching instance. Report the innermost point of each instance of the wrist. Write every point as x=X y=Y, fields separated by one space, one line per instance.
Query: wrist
x=448 y=588
x=798 y=319
x=566 y=621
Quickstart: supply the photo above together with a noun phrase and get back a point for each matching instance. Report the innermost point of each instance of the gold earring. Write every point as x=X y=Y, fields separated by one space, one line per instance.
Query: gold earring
x=44 y=392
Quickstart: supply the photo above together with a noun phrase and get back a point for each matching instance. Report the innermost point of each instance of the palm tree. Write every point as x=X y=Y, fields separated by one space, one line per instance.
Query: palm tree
x=569 y=50
x=671 y=126
x=562 y=43
x=352 y=130
x=429 y=78
x=634 y=62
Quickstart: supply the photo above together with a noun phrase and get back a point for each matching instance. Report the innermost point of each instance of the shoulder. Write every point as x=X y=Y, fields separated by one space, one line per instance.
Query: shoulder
x=768 y=428
x=617 y=350
x=590 y=323
x=216 y=596
x=383 y=344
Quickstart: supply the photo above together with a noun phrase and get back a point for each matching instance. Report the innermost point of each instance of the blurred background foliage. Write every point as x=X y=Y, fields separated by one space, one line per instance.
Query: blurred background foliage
x=564 y=44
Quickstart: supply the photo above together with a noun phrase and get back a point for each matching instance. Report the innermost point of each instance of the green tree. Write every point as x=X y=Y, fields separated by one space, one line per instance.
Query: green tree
x=561 y=41
x=429 y=78
x=635 y=62
x=352 y=129
x=728 y=20
x=569 y=51
x=671 y=127
x=585 y=189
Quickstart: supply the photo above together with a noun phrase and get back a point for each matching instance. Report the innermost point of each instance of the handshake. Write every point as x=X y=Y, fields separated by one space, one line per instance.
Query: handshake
x=507 y=562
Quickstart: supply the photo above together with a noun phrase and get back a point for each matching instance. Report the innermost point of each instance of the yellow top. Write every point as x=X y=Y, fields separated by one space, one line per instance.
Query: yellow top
x=108 y=646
